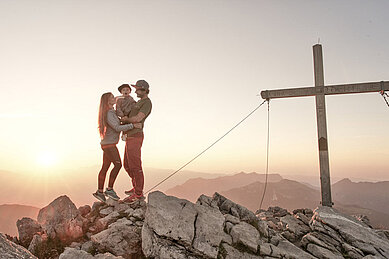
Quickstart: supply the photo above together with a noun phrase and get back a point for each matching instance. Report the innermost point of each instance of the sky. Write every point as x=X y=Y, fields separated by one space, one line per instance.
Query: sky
x=206 y=63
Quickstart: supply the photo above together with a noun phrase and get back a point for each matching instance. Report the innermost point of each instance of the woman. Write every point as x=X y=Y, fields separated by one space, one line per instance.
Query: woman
x=109 y=128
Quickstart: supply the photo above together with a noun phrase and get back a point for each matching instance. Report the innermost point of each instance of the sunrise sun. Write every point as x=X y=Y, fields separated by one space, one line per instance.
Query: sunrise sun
x=46 y=158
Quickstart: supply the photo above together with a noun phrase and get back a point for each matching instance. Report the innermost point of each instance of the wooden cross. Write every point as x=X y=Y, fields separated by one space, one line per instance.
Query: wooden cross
x=320 y=91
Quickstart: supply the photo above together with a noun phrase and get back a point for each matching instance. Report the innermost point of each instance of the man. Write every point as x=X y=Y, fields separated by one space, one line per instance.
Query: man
x=132 y=153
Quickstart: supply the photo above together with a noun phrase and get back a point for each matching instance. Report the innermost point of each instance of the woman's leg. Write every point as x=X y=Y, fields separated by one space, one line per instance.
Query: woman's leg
x=103 y=171
x=114 y=157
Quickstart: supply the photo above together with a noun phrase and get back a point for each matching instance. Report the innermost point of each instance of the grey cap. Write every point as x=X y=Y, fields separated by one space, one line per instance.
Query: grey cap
x=141 y=84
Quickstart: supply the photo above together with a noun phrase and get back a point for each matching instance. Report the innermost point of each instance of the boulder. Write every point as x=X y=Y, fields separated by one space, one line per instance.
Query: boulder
x=61 y=219
x=245 y=234
x=172 y=218
x=209 y=230
x=10 y=250
x=354 y=232
x=321 y=252
x=121 y=238
x=294 y=225
x=27 y=228
x=36 y=241
x=228 y=252
x=84 y=210
x=227 y=206
x=72 y=253
x=102 y=223
x=198 y=228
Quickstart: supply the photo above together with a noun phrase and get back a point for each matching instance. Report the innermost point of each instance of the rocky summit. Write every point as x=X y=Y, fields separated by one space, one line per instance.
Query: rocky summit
x=169 y=227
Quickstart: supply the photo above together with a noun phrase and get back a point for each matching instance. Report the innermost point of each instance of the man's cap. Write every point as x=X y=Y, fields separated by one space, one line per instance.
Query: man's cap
x=141 y=84
x=120 y=88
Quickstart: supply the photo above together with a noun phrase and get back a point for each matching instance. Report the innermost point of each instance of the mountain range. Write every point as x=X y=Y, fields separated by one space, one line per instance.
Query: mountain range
x=366 y=198
x=10 y=213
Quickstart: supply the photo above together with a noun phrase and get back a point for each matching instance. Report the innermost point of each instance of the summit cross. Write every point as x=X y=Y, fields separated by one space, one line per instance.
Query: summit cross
x=320 y=91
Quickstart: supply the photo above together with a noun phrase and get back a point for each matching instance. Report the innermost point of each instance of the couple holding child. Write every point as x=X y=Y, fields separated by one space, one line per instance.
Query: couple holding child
x=128 y=118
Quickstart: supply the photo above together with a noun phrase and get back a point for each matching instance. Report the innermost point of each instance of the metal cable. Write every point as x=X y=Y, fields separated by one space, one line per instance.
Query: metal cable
x=267 y=152
x=202 y=152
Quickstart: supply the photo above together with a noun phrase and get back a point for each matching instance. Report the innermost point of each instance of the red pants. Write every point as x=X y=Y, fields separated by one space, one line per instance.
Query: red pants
x=133 y=162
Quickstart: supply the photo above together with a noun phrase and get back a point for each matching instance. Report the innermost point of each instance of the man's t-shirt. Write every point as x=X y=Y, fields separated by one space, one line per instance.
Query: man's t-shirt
x=143 y=106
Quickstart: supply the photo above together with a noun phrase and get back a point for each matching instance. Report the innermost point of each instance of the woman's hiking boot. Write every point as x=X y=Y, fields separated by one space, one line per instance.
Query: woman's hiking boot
x=112 y=194
x=99 y=195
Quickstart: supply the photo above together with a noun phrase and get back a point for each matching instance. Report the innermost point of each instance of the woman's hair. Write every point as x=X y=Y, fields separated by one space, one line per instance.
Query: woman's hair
x=103 y=109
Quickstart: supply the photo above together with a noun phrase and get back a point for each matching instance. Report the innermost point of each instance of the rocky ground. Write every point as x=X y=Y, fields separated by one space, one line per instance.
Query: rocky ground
x=213 y=227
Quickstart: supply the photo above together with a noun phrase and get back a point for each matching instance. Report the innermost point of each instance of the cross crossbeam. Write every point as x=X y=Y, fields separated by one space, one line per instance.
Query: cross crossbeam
x=320 y=91
x=327 y=90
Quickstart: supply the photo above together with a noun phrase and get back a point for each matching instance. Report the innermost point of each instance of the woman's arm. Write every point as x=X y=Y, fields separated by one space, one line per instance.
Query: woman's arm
x=113 y=122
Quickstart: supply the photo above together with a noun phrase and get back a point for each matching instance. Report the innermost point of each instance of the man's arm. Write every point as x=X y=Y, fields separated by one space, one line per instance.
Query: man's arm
x=134 y=119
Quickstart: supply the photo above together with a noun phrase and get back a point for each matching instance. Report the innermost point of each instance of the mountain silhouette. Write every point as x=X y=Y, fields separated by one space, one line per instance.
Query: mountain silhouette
x=193 y=188
x=10 y=213
x=364 y=194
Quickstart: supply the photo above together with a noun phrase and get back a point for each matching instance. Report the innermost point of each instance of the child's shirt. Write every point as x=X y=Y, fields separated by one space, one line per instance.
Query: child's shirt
x=123 y=105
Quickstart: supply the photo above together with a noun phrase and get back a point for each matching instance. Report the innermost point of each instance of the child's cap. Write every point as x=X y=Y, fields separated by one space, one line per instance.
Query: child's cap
x=120 y=88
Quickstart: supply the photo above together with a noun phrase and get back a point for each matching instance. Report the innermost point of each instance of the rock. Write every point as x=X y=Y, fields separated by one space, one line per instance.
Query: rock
x=84 y=210
x=263 y=228
x=87 y=246
x=112 y=203
x=318 y=240
x=209 y=230
x=106 y=211
x=229 y=252
x=10 y=250
x=27 y=228
x=61 y=219
x=229 y=226
x=103 y=223
x=321 y=252
x=171 y=218
x=302 y=217
x=288 y=250
x=129 y=211
x=35 y=242
x=271 y=250
x=139 y=214
x=383 y=233
x=97 y=205
x=351 y=251
x=206 y=200
x=278 y=212
x=353 y=231
x=121 y=238
x=72 y=253
x=122 y=207
x=75 y=245
x=198 y=228
x=229 y=218
x=294 y=225
x=245 y=234
x=226 y=206
x=364 y=219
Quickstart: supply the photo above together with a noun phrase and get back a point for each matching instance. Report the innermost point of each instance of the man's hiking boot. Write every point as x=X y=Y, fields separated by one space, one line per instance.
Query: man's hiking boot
x=133 y=198
x=112 y=194
x=130 y=192
x=99 y=195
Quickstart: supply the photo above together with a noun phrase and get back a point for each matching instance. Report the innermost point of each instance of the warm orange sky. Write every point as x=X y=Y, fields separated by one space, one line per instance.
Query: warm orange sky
x=206 y=61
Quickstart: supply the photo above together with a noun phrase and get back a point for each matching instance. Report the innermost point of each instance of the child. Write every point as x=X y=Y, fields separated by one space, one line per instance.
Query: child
x=124 y=103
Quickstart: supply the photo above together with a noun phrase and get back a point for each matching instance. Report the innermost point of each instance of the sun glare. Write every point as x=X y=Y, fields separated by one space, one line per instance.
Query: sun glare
x=46 y=158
